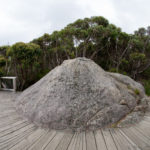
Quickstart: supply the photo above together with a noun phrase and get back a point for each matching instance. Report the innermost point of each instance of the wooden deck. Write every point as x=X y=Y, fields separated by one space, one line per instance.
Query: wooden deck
x=18 y=134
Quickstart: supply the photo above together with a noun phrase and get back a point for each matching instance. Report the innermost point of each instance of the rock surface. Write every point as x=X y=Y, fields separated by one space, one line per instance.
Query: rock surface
x=79 y=95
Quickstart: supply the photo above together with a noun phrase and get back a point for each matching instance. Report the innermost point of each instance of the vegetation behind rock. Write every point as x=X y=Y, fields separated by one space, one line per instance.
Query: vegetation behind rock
x=94 y=38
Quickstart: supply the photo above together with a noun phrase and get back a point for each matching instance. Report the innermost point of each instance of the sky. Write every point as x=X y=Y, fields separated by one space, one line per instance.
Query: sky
x=25 y=20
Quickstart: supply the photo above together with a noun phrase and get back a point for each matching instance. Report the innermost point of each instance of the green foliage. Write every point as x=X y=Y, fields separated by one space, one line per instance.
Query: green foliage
x=42 y=73
x=147 y=86
x=3 y=50
x=94 y=38
x=113 y=70
x=124 y=61
x=129 y=87
x=136 y=91
x=25 y=58
x=100 y=21
x=146 y=73
x=2 y=61
x=137 y=57
x=24 y=53
x=123 y=72
x=1 y=72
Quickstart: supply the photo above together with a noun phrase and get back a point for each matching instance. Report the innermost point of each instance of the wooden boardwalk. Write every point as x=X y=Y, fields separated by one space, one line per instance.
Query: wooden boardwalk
x=18 y=134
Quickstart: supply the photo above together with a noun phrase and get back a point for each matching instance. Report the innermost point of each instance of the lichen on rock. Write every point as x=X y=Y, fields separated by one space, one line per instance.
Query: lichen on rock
x=80 y=95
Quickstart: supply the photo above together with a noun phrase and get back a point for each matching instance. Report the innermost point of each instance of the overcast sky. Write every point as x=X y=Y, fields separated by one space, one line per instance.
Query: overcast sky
x=24 y=20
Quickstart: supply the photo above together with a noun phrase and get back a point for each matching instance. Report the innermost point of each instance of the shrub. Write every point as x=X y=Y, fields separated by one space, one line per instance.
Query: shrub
x=136 y=91
x=2 y=61
x=147 y=87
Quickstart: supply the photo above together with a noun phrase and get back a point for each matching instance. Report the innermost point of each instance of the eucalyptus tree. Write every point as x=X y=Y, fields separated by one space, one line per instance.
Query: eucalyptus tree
x=97 y=39
x=25 y=60
x=2 y=65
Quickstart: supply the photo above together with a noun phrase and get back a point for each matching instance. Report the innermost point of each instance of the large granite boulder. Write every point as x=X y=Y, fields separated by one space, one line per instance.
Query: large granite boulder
x=80 y=95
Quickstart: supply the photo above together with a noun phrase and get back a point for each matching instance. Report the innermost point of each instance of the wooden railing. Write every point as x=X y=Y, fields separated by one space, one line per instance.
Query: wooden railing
x=4 y=87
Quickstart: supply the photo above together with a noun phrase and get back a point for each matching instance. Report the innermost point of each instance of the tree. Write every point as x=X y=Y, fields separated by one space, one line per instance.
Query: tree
x=94 y=38
x=25 y=60
x=2 y=65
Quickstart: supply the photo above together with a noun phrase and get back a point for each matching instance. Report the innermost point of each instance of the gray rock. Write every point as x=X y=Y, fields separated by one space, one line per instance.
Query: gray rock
x=131 y=119
x=79 y=95
x=123 y=102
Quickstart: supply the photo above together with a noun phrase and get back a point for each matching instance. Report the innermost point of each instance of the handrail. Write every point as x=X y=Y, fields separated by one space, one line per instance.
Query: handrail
x=9 y=78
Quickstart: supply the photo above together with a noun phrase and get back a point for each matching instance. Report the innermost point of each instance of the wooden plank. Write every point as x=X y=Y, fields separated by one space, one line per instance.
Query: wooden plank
x=9 y=121
x=110 y=144
x=26 y=143
x=9 y=115
x=117 y=140
x=130 y=141
x=43 y=141
x=52 y=135
x=145 y=123
x=147 y=119
x=55 y=141
x=90 y=141
x=73 y=142
x=100 y=142
x=6 y=108
x=15 y=140
x=144 y=129
x=121 y=142
x=15 y=133
x=64 y=144
x=141 y=135
x=12 y=129
x=78 y=145
x=83 y=141
x=4 y=122
x=137 y=138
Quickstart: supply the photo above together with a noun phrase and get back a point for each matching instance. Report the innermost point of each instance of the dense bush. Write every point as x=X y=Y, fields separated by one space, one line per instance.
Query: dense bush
x=147 y=86
x=25 y=62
